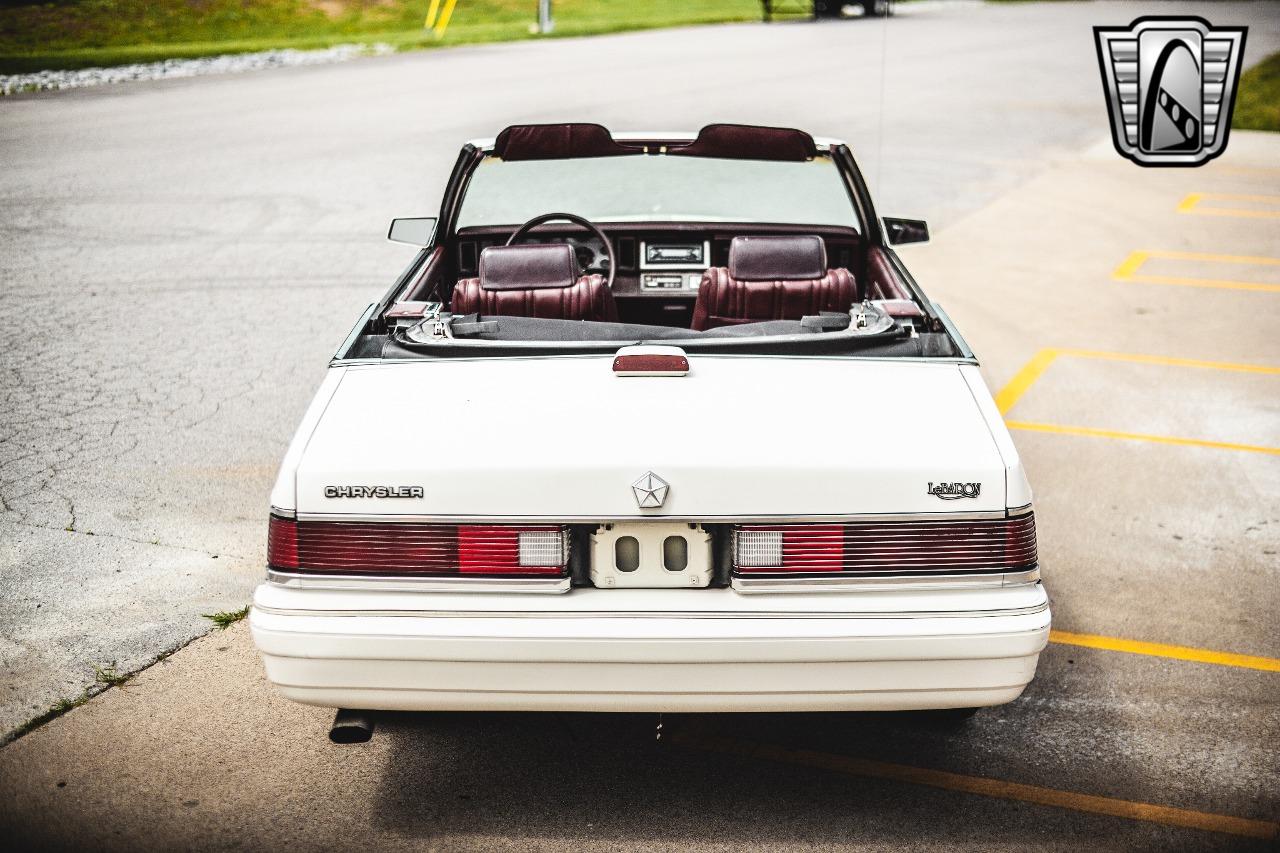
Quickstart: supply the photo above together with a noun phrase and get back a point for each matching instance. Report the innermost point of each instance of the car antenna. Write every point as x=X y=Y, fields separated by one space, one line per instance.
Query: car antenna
x=884 y=61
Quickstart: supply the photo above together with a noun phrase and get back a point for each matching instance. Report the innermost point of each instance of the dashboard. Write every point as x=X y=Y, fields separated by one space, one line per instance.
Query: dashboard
x=659 y=268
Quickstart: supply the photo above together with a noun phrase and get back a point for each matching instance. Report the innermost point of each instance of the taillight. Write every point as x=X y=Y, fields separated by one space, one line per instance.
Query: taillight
x=282 y=543
x=411 y=548
x=897 y=547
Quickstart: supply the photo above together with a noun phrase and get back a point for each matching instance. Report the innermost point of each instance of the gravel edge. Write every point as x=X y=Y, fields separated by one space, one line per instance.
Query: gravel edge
x=232 y=63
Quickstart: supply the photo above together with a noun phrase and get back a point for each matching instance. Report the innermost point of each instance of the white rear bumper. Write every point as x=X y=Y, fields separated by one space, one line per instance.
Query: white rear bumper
x=651 y=650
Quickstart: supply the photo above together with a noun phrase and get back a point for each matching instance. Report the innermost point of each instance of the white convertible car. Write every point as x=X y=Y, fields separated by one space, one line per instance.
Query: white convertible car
x=653 y=422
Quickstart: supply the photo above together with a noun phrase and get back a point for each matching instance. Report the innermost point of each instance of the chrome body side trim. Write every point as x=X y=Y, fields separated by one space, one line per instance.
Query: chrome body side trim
x=749 y=585
x=651 y=614
x=965 y=350
x=382 y=583
x=353 y=335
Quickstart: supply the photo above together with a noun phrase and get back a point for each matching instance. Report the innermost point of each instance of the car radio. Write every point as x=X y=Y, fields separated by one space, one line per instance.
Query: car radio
x=682 y=265
x=675 y=255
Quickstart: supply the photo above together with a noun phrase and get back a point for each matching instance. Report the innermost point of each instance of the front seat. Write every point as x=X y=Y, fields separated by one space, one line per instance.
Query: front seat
x=534 y=281
x=772 y=278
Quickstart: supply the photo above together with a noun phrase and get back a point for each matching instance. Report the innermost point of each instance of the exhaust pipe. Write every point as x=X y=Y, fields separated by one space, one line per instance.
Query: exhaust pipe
x=351 y=726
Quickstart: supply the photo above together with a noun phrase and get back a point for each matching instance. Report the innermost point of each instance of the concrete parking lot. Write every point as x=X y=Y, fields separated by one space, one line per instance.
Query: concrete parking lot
x=180 y=258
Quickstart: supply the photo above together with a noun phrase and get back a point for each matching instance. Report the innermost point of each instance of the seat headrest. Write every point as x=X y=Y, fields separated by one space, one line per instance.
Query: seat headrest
x=749 y=142
x=799 y=258
x=528 y=267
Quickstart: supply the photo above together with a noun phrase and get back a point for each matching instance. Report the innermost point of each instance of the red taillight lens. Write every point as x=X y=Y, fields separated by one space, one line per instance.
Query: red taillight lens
x=911 y=547
x=282 y=543
x=366 y=548
x=514 y=550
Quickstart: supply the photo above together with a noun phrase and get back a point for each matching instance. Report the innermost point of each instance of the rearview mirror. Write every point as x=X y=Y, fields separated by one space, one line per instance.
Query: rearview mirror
x=417 y=231
x=901 y=231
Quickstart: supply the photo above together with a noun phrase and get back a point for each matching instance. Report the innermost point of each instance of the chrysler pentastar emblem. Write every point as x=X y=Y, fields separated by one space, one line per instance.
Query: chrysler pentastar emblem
x=650 y=490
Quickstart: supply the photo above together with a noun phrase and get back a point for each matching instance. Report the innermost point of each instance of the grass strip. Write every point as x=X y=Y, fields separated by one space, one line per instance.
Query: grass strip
x=1258 y=101
x=101 y=33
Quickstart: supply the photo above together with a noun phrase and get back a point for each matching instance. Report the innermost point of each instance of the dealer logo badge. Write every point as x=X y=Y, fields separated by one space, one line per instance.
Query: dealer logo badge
x=1170 y=86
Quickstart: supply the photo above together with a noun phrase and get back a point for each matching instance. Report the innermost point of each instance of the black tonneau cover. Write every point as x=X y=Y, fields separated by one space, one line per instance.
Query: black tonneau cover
x=475 y=335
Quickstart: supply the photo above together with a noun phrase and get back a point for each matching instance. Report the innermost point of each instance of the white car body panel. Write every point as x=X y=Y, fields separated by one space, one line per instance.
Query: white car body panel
x=888 y=645
x=564 y=438
x=651 y=650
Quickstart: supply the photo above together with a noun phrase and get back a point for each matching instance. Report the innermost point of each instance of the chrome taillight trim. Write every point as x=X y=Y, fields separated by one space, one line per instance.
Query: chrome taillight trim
x=737 y=615
x=418 y=583
x=846 y=583
x=998 y=514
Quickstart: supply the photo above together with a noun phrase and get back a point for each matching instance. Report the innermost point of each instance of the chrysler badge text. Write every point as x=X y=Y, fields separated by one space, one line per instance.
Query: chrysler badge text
x=373 y=491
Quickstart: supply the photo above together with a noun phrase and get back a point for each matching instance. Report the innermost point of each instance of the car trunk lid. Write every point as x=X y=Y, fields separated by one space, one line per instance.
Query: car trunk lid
x=565 y=438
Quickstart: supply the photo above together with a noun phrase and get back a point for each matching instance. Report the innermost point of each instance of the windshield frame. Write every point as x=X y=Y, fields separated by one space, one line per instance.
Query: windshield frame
x=849 y=215
x=867 y=221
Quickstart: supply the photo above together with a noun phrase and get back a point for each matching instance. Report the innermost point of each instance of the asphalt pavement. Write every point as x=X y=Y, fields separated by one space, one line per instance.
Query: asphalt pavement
x=180 y=258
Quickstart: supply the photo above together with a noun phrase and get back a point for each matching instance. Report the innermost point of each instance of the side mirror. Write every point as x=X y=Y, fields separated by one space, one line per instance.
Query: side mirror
x=901 y=231
x=413 y=232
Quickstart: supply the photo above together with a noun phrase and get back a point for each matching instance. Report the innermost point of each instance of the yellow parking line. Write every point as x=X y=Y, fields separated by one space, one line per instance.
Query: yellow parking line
x=984 y=786
x=1130 y=265
x=1169 y=361
x=1039 y=363
x=1139 y=647
x=1215 y=283
x=1024 y=379
x=1139 y=436
x=1242 y=170
x=1191 y=204
x=1128 y=270
x=1212 y=258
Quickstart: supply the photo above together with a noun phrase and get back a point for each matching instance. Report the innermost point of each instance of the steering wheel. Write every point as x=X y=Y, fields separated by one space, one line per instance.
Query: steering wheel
x=524 y=230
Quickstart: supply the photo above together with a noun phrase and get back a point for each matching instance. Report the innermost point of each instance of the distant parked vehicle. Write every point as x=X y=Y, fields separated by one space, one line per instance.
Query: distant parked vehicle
x=827 y=8
x=837 y=9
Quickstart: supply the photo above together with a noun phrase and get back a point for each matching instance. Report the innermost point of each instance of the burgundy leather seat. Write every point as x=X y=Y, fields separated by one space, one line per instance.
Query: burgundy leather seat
x=772 y=278
x=534 y=281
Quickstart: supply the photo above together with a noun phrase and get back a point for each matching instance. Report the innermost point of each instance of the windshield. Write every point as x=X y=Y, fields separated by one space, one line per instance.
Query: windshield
x=645 y=188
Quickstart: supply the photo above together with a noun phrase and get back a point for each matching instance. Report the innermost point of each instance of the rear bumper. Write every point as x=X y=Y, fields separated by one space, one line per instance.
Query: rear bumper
x=651 y=650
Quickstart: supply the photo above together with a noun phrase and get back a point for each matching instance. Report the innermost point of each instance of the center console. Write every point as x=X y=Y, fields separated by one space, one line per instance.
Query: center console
x=669 y=268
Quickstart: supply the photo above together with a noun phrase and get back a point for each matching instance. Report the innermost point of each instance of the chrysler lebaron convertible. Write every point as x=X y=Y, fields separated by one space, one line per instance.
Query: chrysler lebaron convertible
x=652 y=422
